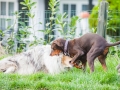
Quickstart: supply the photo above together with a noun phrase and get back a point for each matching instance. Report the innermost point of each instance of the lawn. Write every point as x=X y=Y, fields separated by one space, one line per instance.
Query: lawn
x=73 y=79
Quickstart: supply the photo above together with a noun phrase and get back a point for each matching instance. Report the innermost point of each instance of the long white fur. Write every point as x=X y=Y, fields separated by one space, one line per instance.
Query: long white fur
x=32 y=61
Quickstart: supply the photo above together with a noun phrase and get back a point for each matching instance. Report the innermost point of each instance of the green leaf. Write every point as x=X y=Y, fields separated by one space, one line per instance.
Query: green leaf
x=22 y=3
x=64 y=24
x=51 y=18
x=8 y=27
x=33 y=3
x=40 y=22
x=8 y=19
x=65 y=15
x=27 y=1
x=47 y=24
x=57 y=21
x=41 y=30
x=24 y=7
x=32 y=16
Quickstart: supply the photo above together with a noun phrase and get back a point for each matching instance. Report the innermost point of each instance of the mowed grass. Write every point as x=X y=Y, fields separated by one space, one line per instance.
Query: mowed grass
x=73 y=79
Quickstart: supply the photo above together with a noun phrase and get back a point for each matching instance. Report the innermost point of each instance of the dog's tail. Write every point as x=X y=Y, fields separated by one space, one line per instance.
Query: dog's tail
x=113 y=44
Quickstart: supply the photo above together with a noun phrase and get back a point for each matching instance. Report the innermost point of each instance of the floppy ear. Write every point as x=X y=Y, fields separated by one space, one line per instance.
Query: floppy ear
x=55 y=52
x=58 y=43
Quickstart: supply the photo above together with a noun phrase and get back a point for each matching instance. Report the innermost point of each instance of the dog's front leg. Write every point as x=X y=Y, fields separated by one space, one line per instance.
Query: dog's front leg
x=79 y=53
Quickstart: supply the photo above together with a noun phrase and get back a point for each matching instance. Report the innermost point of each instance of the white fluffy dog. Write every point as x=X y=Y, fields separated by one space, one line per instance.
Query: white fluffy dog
x=35 y=60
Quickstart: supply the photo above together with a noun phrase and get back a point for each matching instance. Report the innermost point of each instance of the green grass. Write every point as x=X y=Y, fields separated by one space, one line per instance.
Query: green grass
x=74 y=79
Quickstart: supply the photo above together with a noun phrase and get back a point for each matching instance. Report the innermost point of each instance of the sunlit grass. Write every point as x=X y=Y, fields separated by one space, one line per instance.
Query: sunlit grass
x=73 y=79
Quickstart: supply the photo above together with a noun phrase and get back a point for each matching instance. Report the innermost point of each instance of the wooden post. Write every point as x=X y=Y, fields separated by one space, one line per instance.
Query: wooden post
x=102 y=18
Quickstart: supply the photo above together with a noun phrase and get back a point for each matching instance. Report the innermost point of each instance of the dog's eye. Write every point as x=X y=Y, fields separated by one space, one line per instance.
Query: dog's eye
x=54 y=49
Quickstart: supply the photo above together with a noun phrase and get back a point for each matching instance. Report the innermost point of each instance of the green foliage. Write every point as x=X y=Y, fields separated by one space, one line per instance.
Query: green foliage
x=61 y=24
x=72 y=26
x=12 y=37
x=30 y=5
x=10 y=46
x=2 y=33
x=113 y=23
x=23 y=30
x=115 y=50
x=93 y=21
x=57 y=23
x=53 y=7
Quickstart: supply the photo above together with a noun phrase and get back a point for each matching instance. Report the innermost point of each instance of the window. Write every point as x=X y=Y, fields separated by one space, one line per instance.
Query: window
x=3 y=8
x=65 y=8
x=11 y=8
x=2 y=23
x=84 y=7
x=70 y=9
x=73 y=10
x=6 y=12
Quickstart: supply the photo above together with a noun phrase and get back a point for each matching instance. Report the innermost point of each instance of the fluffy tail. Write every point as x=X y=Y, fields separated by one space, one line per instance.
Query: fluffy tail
x=113 y=44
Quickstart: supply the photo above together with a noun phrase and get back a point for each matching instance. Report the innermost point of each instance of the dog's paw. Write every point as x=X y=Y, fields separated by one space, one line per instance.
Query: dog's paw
x=77 y=66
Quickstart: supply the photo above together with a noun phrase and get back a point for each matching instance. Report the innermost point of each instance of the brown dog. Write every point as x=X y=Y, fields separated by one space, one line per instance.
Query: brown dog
x=86 y=49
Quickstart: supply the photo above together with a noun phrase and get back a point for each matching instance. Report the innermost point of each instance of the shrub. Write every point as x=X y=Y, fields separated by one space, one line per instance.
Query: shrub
x=113 y=24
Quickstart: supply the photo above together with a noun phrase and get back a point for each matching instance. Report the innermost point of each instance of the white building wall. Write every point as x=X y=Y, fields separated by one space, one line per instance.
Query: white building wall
x=39 y=17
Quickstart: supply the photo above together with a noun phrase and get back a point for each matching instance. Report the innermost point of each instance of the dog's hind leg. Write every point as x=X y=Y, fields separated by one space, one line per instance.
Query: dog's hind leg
x=102 y=58
x=91 y=55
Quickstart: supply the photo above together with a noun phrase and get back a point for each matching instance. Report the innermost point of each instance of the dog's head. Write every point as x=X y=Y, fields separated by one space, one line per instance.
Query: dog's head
x=57 y=46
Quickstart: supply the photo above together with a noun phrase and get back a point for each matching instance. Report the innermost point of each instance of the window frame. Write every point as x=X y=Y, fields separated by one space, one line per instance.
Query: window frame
x=69 y=13
x=69 y=8
x=83 y=7
x=7 y=16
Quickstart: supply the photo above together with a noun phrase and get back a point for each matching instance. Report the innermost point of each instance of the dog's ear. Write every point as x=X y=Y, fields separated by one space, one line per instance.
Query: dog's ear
x=55 y=52
x=58 y=43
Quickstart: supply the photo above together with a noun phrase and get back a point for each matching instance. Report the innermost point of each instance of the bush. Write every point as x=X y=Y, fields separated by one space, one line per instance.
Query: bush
x=113 y=24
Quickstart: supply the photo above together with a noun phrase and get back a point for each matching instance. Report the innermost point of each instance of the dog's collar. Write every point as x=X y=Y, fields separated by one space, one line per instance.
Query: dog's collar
x=65 y=48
